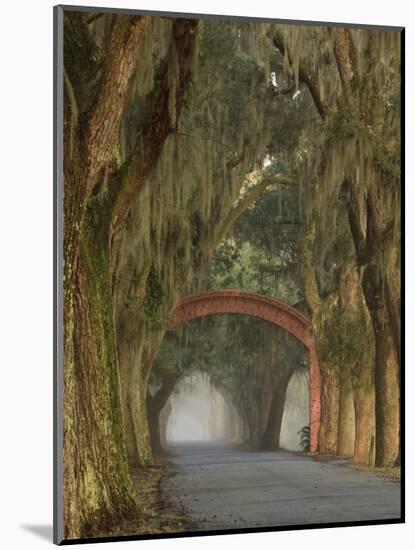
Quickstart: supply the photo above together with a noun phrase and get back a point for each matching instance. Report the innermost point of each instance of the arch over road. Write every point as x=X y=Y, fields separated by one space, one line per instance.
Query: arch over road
x=268 y=309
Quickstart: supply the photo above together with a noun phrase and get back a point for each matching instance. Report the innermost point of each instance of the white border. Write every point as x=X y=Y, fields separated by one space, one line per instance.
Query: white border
x=26 y=274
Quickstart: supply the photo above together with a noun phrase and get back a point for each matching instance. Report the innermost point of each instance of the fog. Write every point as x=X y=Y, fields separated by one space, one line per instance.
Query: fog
x=199 y=412
x=296 y=411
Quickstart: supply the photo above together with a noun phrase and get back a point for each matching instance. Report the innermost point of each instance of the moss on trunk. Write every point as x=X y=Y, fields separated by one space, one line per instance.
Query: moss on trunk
x=346 y=429
x=97 y=489
x=271 y=437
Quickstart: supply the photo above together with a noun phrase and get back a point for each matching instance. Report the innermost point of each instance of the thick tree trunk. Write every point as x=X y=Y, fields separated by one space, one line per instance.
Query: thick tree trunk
x=155 y=406
x=387 y=379
x=234 y=424
x=135 y=366
x=137 y=403
x=271 y=438
x=378 y=255
x=164 y=418
x=134 y=370
x=126 y=361
x=346 y=431
x=387 y=394
x=358 y=378
x=330 y=391
x=253 y=439
x=97 y=487
x=364 y=398
x=379 y=274
x=154 y=428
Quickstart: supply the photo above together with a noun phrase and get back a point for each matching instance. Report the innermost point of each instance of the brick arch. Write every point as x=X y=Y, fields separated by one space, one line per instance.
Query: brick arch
x=268 y=309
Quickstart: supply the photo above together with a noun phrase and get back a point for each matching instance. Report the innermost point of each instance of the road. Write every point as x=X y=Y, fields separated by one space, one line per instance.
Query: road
x=225 y=487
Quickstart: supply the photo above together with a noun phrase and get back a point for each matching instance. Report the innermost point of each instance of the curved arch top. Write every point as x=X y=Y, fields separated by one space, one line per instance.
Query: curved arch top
x=266 y=308
x=244 y=303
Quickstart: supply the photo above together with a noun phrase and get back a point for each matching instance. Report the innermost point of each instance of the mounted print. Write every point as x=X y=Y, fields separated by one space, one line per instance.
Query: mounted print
x=227 y=274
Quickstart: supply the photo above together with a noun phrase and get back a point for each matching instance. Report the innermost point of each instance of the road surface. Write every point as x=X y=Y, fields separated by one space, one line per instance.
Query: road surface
x=225 y=487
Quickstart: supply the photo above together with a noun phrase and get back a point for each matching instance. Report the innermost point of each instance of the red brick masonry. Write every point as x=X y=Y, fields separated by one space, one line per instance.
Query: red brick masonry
x=269 y=309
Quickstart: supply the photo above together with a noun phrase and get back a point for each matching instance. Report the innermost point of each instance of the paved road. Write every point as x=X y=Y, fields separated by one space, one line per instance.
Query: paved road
x=224 y=487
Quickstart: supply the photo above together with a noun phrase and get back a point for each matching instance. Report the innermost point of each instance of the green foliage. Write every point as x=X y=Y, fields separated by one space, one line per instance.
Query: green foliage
x=226 y=262
x=304 y=434
x=261 y=251
x=388 y=163
x=217 y=41
x=82 y=58
x=241 y=78
x=293 y=117
x=343 y=125
x=153 y=301
x=273 y=224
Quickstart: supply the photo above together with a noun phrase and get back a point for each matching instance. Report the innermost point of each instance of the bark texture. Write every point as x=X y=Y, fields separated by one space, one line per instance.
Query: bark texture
x=98 y=491
x=271 y=437
x=155 y=406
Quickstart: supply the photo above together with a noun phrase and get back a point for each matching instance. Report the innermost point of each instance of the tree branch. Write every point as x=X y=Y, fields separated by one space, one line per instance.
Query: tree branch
x=93 y=17
x=159 y=399
x=73 y=109
x=308 y=275
x=161 y=126
x=359 y=238
x=94 y=147
x=103 y=127
x=249 y=198
x=305 y=76
x=343 y=51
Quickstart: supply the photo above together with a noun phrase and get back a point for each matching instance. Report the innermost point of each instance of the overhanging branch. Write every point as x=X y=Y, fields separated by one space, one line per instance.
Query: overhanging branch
x=248 y=199
x=306 y=76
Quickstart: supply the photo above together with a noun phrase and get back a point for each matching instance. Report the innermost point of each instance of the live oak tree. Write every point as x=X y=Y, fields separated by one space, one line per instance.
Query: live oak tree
x=98 y=187
x=352 y=165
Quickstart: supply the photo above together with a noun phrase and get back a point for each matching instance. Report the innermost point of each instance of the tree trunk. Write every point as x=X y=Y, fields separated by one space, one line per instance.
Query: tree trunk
x=271 y=438
x=378 y=256
x=137 y=403
x=164 y=418
x=133 y=391
x=154 y=428
x=364 y=451
x=329 y=409
x=97 y=487
x=346 y=431
x=127 y=361
x=155 y=406
x=234 y=427
x=387 y=394
x=387 y=383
